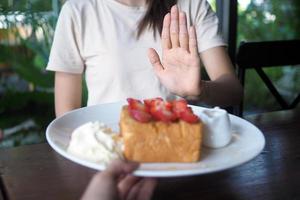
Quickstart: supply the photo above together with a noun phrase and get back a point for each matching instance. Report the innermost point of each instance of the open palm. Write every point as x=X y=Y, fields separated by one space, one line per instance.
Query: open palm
x=179 y=68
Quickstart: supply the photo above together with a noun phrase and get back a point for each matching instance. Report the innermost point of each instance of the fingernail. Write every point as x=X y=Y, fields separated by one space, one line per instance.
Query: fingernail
x=174 y=8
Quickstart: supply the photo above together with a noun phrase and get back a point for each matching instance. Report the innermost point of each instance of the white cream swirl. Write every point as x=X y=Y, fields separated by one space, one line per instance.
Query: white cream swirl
x=217 y=127
x=95 y=142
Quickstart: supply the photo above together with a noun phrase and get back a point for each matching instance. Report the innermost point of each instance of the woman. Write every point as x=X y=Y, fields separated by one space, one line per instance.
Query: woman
x=109 y=40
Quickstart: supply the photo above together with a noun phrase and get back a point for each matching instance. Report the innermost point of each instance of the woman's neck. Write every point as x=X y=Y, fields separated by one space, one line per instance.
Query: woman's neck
x=133 y=2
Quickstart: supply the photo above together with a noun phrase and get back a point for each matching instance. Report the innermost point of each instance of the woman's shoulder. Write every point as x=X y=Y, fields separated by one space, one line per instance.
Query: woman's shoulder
x=192 y=5
x=195 y=8
x=80 y=4
x=190 y=2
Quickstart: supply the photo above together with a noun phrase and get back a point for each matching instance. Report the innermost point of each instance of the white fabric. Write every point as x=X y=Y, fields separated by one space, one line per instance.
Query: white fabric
x=98 y=37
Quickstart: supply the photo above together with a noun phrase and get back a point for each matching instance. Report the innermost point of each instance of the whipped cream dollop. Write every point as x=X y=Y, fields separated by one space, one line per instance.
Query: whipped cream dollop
x=217 y=127
x=95 y=142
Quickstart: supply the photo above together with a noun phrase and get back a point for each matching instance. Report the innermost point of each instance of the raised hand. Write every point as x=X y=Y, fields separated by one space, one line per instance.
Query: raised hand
x=179 y=68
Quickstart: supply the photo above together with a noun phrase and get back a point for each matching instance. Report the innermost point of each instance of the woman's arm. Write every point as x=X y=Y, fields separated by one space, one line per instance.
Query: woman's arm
x=224 y=88
x=68 y=91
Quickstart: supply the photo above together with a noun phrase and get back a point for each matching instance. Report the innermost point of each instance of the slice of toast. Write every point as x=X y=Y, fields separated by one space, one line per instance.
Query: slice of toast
x=157 y=141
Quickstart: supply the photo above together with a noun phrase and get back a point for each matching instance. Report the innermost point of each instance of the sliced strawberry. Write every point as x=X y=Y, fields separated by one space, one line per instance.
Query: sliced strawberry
x=135 y=104
x=149 y=102
x=132 y=101
x=162 y=111
x=190 y=109
x=158 y=106
x=164 y=115
x=189 y=116
x=153 y=112
x=139 y=115
x=168 y=105
x=179 y=106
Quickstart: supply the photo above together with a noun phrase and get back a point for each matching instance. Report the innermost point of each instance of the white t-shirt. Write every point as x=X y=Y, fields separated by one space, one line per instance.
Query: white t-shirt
x=98 y=37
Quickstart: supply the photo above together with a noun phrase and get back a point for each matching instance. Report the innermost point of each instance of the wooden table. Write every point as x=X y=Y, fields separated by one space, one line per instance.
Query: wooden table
x=37 y=172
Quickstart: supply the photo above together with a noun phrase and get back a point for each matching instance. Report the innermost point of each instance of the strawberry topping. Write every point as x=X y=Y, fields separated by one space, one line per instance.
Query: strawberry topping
x=140 y=116
x=135 y=104
x=150 y=102
x=160 y=110
x=165 y=115
x=179 y=106
x=189 y=116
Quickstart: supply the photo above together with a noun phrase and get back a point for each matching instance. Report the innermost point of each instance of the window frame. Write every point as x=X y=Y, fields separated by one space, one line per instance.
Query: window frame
x=227 y=11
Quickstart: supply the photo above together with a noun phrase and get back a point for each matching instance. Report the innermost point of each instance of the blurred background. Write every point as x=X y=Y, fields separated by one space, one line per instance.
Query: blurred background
x=26 y=89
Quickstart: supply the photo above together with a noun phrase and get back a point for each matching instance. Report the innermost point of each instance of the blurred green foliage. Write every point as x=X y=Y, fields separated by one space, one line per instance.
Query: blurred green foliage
x=25 y=5
x=269 y=20
x=26 y=90
x=25 y=44
x=265 y=20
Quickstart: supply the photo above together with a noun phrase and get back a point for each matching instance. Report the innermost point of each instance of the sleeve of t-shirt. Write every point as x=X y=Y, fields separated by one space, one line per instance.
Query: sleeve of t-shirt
x=207 y=27
x=65 y=52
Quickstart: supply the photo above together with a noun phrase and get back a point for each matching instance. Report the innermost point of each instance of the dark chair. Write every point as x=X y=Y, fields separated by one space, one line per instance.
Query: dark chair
x=258 y=55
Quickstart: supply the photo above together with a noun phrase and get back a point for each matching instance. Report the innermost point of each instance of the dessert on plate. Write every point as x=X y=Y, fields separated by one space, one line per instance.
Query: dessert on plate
x=150 y=131
x=160 y=131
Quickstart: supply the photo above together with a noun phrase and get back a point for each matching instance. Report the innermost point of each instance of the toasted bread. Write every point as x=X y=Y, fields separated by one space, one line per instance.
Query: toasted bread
x=158 y=141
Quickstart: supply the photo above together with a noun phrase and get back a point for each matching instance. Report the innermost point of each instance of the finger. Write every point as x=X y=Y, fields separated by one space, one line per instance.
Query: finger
x=147 y=189
x=101 y=185
x=183 y=32
x=155 y=61
x=119 y=167
x=174 y=27
x=165 y=34
x=193 y=41
x=134 y=191
x=126 y=184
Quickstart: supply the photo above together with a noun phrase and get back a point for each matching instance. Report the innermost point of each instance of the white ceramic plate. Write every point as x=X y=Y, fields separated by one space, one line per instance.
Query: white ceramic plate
x=247 y=142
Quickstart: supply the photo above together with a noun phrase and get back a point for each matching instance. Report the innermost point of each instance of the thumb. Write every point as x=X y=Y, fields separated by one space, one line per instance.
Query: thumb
x=119 y=167
x=154 y=60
